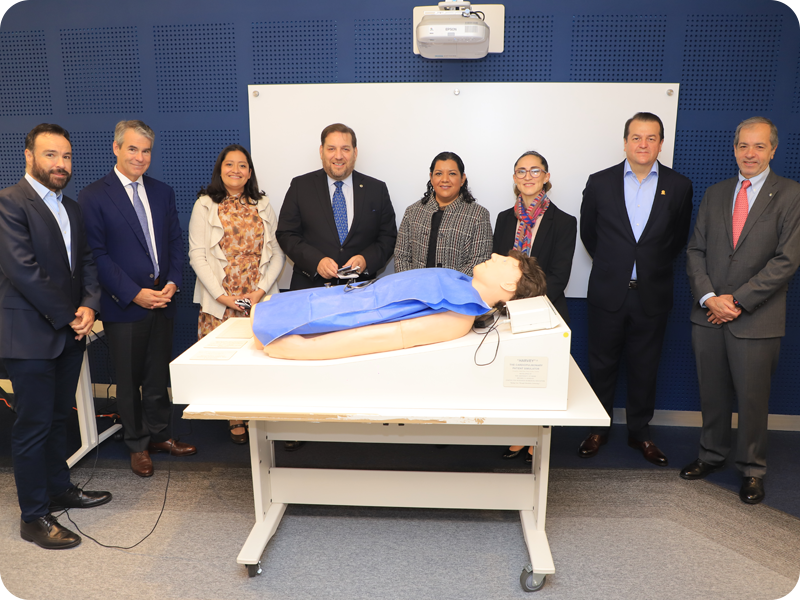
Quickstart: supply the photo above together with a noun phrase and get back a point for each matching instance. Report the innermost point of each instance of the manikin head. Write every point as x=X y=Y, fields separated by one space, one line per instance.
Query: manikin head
x=504 y=278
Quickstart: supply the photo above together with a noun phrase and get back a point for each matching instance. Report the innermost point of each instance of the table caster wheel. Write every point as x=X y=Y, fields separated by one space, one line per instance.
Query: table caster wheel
x=530 y=581
x=253 y=570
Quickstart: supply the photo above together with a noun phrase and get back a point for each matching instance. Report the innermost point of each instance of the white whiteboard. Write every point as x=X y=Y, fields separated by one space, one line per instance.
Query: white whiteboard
x=400 y=127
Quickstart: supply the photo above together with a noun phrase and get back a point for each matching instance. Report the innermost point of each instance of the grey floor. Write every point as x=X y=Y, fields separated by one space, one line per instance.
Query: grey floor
x=613 y=533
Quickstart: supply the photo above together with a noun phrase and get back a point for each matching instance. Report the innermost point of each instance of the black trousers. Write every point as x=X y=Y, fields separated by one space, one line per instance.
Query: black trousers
x=141 y=352
x=44 y=394
x=640 y=337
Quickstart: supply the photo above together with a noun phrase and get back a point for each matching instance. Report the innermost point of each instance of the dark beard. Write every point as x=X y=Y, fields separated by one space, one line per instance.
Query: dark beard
x=44 y=177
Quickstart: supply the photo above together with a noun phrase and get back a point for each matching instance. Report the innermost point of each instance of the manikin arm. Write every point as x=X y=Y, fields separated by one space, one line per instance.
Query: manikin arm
x=370 y=339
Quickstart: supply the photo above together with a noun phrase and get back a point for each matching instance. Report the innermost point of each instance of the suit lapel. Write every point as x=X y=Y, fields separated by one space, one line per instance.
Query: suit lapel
x=618 y=198
x=157 y=214
x=660 y=201
x=48 y=218
x=765 y=196
x=358 y=201
x=543 y=232
x=726 y=207
x=325 y=206
x=119 y=197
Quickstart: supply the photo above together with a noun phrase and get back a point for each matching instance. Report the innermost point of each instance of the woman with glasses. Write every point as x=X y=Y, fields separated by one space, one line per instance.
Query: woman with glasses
x=232 y=247
x=537 y=227
x=446 y=227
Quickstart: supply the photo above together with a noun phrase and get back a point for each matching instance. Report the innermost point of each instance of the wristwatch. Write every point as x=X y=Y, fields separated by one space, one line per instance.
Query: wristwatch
x=736 y=303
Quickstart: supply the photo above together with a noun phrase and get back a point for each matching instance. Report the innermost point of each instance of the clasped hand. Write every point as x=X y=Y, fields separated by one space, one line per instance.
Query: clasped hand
x=721 y=309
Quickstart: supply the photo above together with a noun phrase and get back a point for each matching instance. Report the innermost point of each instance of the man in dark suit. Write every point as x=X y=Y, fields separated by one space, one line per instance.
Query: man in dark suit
x=133 y=229
x=336 y=217
x=49 y=295
x=635 y=220
x=744 y=251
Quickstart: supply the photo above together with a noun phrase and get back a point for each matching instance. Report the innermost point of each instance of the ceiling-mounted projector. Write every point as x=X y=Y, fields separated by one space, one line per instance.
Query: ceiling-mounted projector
x=453 y=31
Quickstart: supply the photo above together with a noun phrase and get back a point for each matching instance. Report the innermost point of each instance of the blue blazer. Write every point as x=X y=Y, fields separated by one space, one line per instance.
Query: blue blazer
x=120 y=249
x=39 y=292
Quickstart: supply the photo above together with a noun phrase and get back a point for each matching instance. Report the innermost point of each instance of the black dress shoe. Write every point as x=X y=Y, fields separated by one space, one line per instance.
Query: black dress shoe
x=292 y=446
x=75 y=497
x=699 y=470
x=47 y=533
x=591 y=445
x=509 y=453
x=752 y=491
x=650 y=451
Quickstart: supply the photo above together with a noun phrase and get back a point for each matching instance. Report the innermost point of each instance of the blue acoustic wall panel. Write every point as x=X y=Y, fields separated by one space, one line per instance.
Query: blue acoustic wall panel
x=383 y=53
x=98 y=64
x=705 y=157
x=92 y=156
x=295 y=52
x=730 y=62
x=618 y=47
x=796 y=100
x=196 y=67
x=12 y=158
x=187 y=158
x=26 y=78
x=527 y=53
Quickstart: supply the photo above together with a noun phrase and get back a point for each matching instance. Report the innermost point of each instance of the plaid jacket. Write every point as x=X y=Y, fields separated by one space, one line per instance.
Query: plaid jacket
x=465 y=236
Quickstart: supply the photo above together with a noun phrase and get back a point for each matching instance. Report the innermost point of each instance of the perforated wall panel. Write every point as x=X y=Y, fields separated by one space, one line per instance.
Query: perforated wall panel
x=101 y=70
x=617 y=48
x=187 y=158
x=295 y=52
x=92 y=157
x=384 y=53
x=12 y=158
x=196 y=67
x=789 y=146
x=705 y=157
x=730 y=62
x=26 y=78
x=796 y=101
x=527 y=54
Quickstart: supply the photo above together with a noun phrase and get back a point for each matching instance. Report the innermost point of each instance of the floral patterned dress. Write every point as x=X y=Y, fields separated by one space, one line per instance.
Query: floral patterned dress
x=242 y=245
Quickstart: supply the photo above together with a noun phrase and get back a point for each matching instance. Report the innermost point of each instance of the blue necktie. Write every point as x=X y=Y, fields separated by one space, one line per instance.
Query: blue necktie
x=139 y=208
x=340 y=212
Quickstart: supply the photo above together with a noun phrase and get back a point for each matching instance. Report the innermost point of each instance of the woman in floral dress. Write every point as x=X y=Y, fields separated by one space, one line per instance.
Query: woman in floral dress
x=232 y=247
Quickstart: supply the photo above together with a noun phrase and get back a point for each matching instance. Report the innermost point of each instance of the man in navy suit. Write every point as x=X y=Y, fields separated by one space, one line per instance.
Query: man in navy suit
x=635 y=220
x=48 y=299
x=133 y=229
x=321 y=235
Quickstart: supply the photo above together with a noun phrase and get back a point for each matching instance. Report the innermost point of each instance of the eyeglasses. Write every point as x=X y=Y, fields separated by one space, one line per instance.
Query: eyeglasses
x=535 y=173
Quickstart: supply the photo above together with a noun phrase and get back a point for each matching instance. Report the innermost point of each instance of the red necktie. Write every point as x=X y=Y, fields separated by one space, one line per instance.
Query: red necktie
x=740 y=211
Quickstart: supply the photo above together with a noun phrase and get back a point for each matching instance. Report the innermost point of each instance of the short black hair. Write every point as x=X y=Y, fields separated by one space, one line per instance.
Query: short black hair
x=30 y=139
x=646 y=117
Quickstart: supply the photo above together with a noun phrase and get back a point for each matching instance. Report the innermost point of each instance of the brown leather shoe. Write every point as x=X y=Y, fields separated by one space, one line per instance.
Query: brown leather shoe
x=173 y=447
x=141 y=463
x=650 y=451
x=591 y=445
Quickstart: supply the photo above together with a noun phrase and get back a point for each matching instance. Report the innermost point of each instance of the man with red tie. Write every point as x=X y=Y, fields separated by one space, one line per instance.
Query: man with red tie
x=744 y=251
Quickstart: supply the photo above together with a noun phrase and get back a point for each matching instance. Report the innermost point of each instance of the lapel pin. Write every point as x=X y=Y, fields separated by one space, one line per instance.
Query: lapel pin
x=663 y=193
x=361 y=185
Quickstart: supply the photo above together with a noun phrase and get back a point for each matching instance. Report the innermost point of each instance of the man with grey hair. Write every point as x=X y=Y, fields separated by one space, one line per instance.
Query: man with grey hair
x=133 y=229
x=744 y=251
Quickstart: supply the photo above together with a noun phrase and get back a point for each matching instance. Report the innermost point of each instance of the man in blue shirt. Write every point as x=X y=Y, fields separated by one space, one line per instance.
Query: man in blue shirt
x=635 y=220
x=49 y=295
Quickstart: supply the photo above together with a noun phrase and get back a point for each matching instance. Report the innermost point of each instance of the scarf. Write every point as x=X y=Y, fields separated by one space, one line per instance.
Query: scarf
x=527 y=218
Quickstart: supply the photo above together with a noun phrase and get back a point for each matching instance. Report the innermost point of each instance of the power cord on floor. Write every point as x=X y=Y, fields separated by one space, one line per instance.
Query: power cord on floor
x=163 y=504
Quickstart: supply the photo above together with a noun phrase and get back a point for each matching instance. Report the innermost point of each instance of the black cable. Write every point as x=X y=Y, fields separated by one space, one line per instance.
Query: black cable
x=163 y=504
x=479 y=12
x=492 y=327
